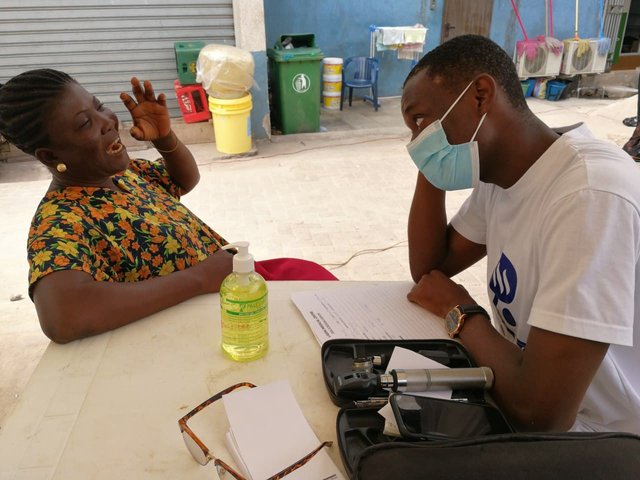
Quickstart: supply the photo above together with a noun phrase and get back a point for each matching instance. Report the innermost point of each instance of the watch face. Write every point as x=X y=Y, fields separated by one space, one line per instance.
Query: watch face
x=451 y=320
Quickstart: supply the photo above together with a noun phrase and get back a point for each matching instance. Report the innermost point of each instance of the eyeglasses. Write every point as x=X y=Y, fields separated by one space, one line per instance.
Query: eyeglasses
x=203 y=455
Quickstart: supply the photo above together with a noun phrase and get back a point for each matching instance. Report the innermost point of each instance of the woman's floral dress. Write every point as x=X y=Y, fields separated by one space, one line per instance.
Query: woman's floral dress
x=140 y=232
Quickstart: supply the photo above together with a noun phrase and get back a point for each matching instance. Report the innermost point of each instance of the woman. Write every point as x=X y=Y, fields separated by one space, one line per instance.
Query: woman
x=110 y=242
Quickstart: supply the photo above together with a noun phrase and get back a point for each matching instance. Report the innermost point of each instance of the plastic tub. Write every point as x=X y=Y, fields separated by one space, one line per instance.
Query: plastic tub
x=232 y=123
x=527 y=86
x=555 y=89
x=331 y=83
x=332 y=66
x=331 y=100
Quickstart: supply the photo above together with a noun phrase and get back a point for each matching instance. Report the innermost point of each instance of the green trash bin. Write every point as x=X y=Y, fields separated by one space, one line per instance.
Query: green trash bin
x=296 y=83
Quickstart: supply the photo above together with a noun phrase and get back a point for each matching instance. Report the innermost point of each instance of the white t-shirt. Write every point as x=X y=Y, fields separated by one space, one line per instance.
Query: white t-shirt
x=563 y=249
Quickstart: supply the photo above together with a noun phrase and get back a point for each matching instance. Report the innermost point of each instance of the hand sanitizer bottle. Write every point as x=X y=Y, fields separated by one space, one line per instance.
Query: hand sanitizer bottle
x=244 y=309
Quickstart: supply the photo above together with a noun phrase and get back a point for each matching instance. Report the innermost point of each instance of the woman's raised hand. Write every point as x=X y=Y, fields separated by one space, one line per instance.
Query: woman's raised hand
x=149 y=113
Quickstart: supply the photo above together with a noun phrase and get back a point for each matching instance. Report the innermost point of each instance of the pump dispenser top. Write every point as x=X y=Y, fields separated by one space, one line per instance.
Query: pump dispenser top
x=242 y=261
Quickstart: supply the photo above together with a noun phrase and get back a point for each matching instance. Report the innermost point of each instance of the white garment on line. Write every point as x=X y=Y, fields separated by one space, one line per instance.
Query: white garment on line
x=401 y=35
x=415 y=34
x=392 y=35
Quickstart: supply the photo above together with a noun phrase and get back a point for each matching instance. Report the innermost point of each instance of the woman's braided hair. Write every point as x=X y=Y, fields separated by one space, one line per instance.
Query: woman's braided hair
x=25 y=101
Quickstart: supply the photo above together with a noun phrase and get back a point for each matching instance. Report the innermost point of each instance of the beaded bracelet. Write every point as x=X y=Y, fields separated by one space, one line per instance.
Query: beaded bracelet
x=173 y=149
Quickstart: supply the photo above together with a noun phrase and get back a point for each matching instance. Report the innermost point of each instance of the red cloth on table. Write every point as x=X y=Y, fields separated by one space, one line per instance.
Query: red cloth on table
x=292 y=269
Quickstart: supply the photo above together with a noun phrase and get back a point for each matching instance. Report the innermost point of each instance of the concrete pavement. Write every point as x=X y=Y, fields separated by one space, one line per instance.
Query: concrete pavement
x=325 y=197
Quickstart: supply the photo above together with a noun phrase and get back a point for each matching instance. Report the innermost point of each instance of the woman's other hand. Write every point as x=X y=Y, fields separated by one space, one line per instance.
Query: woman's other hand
x=72 y=305
x=213 y=270
x=149 y=113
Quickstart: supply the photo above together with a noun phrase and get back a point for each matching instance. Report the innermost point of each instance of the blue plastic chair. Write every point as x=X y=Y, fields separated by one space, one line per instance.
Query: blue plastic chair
x=360 y=72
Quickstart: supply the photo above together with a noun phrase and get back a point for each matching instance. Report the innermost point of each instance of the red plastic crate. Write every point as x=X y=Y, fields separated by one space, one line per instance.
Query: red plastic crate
x=192 y=100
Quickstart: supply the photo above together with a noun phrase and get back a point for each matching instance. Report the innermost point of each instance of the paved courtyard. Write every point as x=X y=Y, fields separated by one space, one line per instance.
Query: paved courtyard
x=337 y=195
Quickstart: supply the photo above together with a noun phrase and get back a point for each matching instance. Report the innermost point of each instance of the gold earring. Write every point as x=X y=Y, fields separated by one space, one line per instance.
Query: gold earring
x=61 y=167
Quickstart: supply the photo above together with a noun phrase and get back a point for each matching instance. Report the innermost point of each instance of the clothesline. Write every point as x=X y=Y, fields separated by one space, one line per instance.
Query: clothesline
x=408 y=41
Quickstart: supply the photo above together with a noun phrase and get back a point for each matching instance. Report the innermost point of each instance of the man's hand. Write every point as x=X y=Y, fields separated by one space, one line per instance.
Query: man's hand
x=438 y=293
x=539 y=388
x=150 y=116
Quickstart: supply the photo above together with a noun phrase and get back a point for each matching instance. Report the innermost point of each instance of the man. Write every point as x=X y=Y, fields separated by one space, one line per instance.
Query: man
x=558 y=218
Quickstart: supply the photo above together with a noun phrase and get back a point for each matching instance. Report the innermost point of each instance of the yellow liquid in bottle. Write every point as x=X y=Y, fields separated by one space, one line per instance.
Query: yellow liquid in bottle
x=244 y=316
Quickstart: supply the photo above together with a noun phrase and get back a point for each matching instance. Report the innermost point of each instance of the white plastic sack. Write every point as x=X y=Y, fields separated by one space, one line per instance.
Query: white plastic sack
x=225 y=71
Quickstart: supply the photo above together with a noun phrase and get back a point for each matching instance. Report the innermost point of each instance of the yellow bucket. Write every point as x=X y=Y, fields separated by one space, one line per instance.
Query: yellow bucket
x=232 y=123
x=331 y=83
x=332 y=66
x=331 y=100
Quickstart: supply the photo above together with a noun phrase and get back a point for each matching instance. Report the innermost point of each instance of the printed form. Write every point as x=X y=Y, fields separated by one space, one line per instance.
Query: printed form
x=376 y=312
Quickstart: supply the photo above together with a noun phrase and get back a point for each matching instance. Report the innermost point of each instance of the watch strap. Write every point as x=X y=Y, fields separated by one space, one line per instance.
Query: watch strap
x=464 y=312
x=472 y=310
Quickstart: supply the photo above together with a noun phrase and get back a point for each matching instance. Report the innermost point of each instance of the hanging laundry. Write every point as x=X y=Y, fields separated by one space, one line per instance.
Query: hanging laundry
x=410 y=52
x=392 y=35
x=407 y=41
x=415 y=35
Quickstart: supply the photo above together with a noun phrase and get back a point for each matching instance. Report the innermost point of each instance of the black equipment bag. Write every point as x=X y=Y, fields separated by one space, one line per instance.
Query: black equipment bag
x=517 y=456
x=358 y=428
x=369 y=454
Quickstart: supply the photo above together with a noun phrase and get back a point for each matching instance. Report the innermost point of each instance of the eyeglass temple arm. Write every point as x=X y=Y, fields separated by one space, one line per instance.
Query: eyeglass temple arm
x=222 y=465
x=303 y=461
x=208 y=402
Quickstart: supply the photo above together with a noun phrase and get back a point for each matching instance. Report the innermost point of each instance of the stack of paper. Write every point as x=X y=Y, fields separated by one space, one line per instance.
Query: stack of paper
x=379 y=312
x=269 y=433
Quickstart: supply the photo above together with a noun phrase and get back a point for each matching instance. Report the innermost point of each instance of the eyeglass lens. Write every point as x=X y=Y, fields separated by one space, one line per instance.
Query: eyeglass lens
x=194 y=449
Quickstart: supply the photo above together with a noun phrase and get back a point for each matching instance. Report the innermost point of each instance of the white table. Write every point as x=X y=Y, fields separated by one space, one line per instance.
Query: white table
x=107 y=407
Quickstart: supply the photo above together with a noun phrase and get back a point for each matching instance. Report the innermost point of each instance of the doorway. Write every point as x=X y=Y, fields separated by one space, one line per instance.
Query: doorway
x=461 y=17
x=628 y=44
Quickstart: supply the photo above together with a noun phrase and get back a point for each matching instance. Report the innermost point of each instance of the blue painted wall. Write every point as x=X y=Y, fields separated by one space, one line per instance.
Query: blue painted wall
x=342 y=26
x=260 y=96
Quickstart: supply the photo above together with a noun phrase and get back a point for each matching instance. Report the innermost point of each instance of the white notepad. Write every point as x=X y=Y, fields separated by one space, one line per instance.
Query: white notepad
x=377 y=312
x=269 y=432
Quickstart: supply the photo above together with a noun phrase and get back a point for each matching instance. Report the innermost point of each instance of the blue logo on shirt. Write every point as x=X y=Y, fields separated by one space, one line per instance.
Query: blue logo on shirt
x=503 y=284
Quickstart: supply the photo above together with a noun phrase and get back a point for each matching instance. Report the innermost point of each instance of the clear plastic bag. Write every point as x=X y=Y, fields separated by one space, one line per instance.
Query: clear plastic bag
x=225 y=71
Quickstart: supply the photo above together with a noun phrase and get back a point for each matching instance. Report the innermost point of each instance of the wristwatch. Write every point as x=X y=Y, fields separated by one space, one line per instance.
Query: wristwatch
x=454 y=321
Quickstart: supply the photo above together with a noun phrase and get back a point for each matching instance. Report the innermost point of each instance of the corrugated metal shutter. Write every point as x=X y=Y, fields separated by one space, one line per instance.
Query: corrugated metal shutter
x=103 y=44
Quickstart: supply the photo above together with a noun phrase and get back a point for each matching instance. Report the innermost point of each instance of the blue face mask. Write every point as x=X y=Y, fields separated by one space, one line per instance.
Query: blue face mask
x=446 y=166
